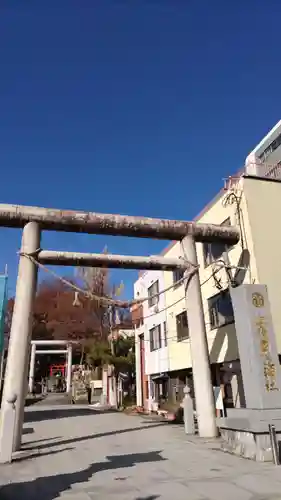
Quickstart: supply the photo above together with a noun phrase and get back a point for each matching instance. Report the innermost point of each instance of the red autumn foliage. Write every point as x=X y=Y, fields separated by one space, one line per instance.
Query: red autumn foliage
x=61 y=314
x=56 y=317
x=62 y=320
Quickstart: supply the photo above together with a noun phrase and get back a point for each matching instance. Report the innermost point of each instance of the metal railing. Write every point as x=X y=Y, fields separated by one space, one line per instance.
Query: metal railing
x=264 y=170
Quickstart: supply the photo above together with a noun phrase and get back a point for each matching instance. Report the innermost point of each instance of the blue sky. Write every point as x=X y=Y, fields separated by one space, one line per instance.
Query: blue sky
x=132 y=107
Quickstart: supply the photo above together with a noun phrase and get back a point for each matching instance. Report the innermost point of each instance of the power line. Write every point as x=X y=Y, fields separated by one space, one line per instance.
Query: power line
x=126 y=304
x=111 y=301
x=215 y=271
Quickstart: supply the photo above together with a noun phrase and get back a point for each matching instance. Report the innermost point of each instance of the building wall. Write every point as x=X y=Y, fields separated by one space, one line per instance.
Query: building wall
x=137 y=314
x=144 y=377
x=254 y=205
x=137 y=321
x=222 y=341
x=179 y=352
x=271 y=157
x=264 y=209
x=156 y=361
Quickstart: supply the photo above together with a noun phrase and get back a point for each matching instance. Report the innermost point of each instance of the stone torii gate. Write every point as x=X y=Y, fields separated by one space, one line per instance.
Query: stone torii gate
x=41 y=343
x=33 y=220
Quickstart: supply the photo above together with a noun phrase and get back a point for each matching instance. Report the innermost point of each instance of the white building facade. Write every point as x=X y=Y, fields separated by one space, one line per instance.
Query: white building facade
x=153 y=330
x=265 y=159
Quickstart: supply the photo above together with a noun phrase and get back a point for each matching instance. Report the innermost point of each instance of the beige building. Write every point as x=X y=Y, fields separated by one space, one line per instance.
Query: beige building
x=253 y=204
x=251 y=201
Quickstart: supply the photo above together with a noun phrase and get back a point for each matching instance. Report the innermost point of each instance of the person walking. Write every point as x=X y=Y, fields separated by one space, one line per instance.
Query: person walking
x=89 y=392
x=87 y=382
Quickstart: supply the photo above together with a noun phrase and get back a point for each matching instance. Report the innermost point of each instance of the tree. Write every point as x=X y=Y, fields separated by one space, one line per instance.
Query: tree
x=8 y=317
x=98 y=353
x=120 y=355
x=94 y=281
x=123 y=357
x=38 y=328
x=55 y=316
x=62 y=319
x=63 y=314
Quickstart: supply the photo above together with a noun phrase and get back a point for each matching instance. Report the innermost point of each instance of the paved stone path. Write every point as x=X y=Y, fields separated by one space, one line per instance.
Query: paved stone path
x=85 y=455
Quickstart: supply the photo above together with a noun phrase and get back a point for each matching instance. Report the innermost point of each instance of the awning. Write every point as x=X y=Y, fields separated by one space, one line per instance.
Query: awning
x=160 y=376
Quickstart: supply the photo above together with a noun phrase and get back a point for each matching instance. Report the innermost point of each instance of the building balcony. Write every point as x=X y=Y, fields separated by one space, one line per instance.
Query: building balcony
x=263 y=170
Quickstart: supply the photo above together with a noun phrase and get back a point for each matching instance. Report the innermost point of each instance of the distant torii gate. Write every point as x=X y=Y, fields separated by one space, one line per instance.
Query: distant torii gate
x=41 y=343
x=33 y=220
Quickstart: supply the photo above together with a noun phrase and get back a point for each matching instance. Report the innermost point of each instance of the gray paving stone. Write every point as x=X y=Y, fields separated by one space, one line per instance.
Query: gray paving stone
x=85 y=455
x=73 y=496
x=261 y=485
x=219 y=489
x=172 y=490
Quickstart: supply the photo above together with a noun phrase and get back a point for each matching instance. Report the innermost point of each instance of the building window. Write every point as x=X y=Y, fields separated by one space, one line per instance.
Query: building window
x=177 y=276
x=153 y=298
x=214 y=251
x=182 y=326
x=220 y=309
x=155 y=338
x=165 y=333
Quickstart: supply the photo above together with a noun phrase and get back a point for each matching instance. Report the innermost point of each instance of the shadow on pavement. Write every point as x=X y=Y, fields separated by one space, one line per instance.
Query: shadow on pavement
x=54 y=413
x=28 y=455
x=27 y=430
x=50 y=487
x=151 y=497
x=28 y=443
x=92 y=436
x=33 y=401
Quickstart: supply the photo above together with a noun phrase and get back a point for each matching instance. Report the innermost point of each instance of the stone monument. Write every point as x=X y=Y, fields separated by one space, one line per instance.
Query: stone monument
x=245 y=430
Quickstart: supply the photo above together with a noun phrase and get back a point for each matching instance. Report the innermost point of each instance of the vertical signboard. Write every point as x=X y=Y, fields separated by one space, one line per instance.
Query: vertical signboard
x=257 y=347
x=3 y=306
